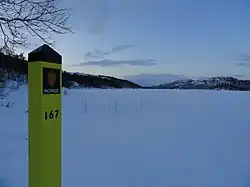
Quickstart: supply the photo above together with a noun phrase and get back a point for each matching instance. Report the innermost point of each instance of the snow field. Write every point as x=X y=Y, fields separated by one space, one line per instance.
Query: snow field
x=139 y=138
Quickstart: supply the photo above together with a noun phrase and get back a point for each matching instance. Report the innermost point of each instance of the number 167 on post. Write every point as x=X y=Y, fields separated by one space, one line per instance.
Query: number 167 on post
x=51 y=114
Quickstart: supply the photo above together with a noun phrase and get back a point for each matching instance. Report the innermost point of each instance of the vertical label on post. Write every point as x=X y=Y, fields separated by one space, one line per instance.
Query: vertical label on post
x=51 y=81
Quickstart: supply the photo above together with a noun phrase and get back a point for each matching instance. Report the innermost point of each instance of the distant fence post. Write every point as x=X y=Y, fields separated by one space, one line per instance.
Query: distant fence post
x=115 y=106
x=109 y=105
x=86 y=107
x=82 y=105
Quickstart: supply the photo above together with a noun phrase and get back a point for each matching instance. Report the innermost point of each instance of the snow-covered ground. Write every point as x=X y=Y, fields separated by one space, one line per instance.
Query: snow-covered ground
x=139 y=138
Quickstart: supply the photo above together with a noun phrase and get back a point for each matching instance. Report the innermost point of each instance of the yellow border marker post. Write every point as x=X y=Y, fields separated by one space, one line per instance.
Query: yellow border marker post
x=44 y=97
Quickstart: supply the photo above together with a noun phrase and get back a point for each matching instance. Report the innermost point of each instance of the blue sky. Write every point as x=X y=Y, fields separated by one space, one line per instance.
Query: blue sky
x=189 y=37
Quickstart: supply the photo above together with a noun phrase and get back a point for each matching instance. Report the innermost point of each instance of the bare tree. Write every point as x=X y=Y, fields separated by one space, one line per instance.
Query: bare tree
x=20 y=19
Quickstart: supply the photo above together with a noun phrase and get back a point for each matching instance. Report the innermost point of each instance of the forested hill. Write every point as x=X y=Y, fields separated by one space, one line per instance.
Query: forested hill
x=19 y=64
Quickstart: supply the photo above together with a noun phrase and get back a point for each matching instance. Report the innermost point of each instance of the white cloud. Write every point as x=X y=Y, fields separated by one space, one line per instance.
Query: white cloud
x=97 y=54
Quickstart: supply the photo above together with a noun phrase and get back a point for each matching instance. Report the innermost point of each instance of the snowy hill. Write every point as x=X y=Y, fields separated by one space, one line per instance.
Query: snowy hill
x=95 y=81
x=154 y=79
x=138 y=138
x=218 y=83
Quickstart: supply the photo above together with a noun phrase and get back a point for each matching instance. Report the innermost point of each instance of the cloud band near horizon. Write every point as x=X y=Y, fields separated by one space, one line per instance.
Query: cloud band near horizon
x=100 y=54
x=110 y=63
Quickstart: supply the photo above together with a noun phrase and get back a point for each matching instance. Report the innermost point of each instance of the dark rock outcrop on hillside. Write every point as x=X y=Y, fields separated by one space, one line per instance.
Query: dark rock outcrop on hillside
x=18 y=64
x=213 y=83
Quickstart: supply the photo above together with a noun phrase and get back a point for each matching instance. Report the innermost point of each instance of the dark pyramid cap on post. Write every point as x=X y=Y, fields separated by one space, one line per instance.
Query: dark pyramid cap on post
x=45 y=53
